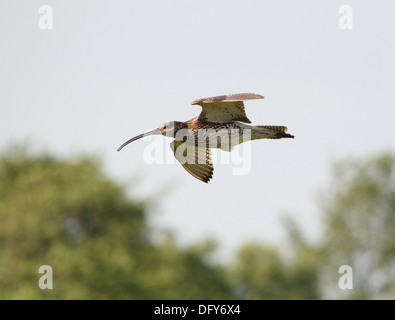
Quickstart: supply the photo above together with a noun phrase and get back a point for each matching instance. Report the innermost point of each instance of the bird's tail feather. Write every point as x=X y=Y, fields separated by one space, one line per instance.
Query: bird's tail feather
x=278 y=132
x=278 y=129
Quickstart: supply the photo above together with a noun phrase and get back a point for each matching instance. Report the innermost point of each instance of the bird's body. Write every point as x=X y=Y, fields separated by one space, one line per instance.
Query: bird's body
x=222 y=124
x=220 y=132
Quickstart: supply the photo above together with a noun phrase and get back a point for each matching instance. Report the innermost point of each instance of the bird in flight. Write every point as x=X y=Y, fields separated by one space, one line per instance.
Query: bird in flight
x=222 y=124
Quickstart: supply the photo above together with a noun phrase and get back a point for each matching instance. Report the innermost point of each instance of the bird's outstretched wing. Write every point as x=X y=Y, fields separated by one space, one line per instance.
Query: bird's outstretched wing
x=195 y=159
x=225 y=108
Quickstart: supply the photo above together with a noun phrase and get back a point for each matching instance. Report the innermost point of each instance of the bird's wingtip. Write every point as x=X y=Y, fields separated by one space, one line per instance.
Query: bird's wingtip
x=229 y=98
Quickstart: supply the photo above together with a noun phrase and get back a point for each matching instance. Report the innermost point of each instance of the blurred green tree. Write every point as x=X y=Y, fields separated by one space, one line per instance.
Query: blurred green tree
x=261 y=272
x=67 y=214
x=359 y=219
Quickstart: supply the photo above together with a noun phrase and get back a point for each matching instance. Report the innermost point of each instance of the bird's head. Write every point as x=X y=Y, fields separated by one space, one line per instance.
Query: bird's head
x=167 y=129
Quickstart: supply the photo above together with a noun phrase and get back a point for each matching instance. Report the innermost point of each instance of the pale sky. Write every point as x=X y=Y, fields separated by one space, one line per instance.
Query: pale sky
x=110 y=70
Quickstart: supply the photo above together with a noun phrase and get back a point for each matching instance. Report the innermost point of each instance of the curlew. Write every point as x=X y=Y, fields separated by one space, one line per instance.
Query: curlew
x=222 y=124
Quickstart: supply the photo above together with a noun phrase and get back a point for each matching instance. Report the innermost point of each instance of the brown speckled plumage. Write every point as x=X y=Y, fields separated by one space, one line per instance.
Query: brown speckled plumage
x=221 y=116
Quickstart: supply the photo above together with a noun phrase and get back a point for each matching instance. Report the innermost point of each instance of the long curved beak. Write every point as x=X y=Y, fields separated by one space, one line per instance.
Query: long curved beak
x=149 y=133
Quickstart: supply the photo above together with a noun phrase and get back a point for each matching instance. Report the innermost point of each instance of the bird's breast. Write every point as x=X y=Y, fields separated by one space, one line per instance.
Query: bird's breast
x=224 y=136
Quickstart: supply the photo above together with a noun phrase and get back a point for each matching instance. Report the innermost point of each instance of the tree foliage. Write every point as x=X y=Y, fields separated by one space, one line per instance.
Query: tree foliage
x=67 y=214
x=261 y=272
x=359 y=215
